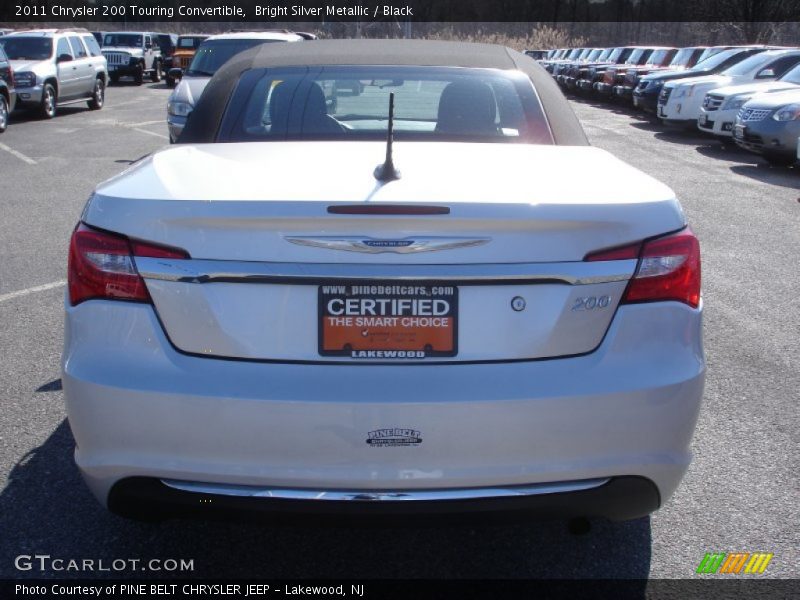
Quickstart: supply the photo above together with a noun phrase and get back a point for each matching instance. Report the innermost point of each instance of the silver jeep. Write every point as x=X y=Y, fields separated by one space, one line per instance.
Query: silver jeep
x=54 y=67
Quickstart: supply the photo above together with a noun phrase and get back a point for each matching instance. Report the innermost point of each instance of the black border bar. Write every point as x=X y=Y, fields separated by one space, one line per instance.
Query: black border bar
x=369 y=11
x=370 y=589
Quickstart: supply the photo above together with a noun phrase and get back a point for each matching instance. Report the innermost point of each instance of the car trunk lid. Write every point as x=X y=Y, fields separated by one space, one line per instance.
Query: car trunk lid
x=504 y=251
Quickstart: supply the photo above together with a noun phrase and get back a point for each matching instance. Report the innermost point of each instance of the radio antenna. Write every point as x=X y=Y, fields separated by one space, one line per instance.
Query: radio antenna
x=387 y=172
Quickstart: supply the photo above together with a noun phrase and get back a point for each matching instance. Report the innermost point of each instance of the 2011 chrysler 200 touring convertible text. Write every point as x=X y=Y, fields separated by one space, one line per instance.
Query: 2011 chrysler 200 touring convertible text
x=287 y=312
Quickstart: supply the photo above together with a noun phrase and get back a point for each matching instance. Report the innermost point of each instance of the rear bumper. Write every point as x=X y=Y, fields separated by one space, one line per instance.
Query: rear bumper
x=619 y=498
x=139 y=408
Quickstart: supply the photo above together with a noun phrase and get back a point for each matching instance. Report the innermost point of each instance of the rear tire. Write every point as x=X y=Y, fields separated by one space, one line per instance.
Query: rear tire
x=3 y=113
x=155 y=76
x=47 y=108
x=99 y=95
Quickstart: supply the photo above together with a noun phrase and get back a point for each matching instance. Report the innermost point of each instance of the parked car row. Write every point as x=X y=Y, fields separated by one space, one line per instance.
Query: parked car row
x=43 y=69
x=747 y=95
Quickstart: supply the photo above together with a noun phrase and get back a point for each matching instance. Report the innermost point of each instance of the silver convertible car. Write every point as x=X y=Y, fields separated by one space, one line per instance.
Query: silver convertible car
x=364 y=282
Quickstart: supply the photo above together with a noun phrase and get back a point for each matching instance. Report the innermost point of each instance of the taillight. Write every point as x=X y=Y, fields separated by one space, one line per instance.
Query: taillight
x=668 y=269
x=101 y=265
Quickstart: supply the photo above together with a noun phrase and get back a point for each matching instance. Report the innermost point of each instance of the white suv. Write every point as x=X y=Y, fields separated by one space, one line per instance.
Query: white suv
x=53 y=67
x=680 y=100
x=720 y=106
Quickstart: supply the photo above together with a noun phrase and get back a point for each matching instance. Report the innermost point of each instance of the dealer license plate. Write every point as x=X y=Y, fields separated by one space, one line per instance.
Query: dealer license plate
x=388 y=320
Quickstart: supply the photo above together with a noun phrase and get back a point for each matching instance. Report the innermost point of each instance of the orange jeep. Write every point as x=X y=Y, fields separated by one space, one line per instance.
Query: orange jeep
x=184 y=52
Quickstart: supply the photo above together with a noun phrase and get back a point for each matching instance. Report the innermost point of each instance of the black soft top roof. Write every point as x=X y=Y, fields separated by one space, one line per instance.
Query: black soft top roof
x=204 y=121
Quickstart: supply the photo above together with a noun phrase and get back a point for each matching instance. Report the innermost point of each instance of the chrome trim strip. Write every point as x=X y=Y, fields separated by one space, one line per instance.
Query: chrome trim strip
x=221 y=489
x=377 y=246
x=208 y=271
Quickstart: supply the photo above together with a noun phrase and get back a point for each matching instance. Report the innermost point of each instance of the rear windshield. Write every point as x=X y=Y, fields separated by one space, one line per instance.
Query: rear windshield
x=123 y=39
x=27 y=48
x=215 y=53
x=352 y=103
x=189 y=42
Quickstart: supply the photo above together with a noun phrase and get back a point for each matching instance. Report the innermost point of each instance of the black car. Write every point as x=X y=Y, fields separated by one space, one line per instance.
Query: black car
x=8 y=96
x=98 y=35
x=645 y=96
x=168 y=42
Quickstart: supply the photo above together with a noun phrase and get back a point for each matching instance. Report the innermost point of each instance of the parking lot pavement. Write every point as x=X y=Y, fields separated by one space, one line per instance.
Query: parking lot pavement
x=740 y=493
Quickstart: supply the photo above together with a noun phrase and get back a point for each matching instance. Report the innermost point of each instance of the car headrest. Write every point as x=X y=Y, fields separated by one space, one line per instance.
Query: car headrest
x=466 y=108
